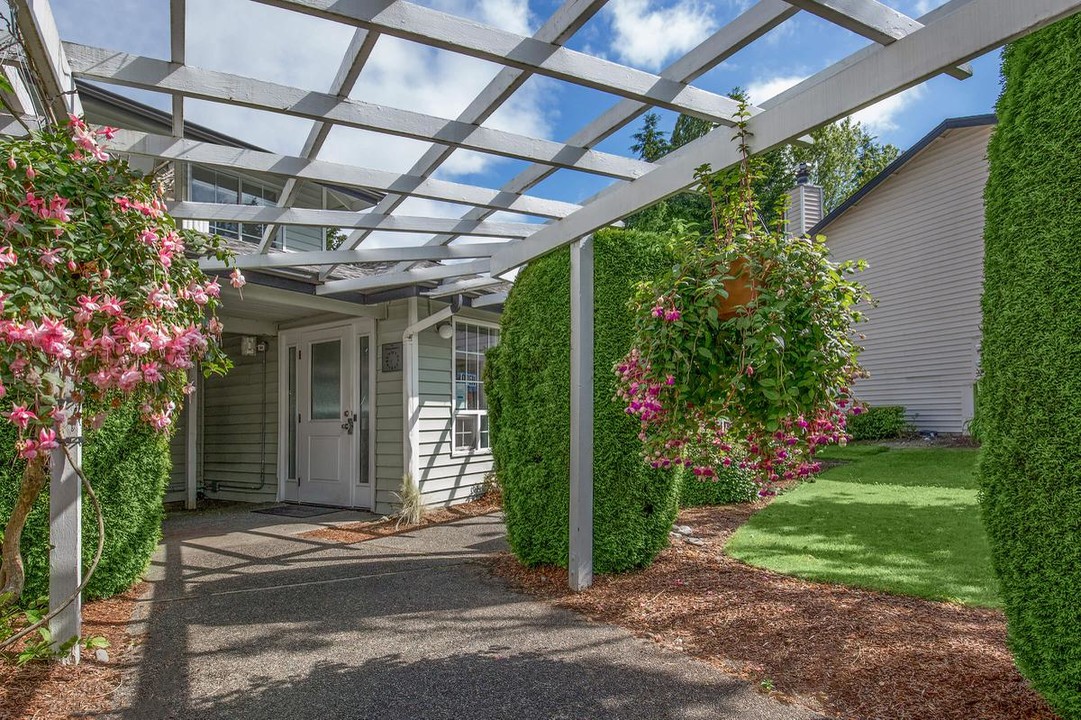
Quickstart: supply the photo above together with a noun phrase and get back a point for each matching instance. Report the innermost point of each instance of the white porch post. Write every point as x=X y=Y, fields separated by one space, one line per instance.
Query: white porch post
x=65 y=536
x=580 y=566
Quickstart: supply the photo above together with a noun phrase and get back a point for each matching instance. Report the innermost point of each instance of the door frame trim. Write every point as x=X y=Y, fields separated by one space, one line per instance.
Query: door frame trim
x=355 y=327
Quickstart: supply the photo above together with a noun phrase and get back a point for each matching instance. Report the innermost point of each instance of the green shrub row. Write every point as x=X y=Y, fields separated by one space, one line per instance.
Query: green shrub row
x=529 y=404
x=128 y=465
x=880 y=422
x=1029 y=405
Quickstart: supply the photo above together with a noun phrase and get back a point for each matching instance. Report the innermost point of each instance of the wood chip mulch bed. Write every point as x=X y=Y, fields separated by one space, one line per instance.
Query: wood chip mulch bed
x=50 y=691
x=360 y=531
x=846 y=652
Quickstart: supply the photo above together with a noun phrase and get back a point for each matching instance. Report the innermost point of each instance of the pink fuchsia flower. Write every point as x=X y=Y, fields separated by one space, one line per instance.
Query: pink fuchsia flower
x=152 y=372
x=58 y=208
x=236 y=279
x=47 y=440
x=8 y=257
x=50 y=258
x=107 y=132
x=212 y=288
x=97 y=421
x=749 y=370
x=20 y=416
x=11 y=162
x=112 y=306
x=149 y=237
x=31 y=173
x=28 y=449
x=128 y=379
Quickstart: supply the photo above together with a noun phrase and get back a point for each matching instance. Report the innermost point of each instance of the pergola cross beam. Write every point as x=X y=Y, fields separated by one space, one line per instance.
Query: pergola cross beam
x=144 y=73
x=169 y=148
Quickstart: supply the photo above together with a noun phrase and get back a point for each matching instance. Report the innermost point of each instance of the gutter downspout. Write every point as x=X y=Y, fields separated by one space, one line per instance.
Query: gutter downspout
x=411 y=382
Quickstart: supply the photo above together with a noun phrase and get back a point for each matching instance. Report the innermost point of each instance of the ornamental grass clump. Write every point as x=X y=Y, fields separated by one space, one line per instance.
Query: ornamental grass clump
x=102 y=304
x=744 y=354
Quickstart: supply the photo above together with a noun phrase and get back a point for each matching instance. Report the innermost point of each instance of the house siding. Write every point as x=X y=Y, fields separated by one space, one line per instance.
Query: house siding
x=444 y=479
x=240 y=427
x=921 y=233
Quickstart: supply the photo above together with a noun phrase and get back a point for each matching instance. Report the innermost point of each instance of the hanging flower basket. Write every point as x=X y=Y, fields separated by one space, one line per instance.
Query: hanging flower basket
x=743 y=356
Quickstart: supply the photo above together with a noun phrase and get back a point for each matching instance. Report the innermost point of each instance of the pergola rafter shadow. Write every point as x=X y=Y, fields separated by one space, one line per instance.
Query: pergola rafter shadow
x=904 y=52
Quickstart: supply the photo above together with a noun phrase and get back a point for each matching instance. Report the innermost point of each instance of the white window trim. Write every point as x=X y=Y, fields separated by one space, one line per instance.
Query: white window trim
x=456 y=451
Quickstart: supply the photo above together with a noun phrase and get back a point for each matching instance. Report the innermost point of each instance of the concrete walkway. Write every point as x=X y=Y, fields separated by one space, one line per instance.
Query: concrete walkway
x=246 y=619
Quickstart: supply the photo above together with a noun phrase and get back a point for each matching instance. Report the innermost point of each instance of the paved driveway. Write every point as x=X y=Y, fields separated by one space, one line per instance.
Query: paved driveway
x=248 y=620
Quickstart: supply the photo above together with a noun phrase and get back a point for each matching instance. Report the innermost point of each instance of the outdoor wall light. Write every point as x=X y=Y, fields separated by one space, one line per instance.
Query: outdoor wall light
x=446 y=331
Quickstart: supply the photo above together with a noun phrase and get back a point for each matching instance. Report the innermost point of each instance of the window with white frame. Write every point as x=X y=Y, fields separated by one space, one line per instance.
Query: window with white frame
x=214 y=186
x=471 y=341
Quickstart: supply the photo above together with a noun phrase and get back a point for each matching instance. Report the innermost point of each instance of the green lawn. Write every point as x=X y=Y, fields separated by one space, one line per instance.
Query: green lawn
x=901 y=520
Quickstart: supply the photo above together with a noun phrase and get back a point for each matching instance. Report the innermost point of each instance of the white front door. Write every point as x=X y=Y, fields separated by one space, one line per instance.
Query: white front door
x=326 y=427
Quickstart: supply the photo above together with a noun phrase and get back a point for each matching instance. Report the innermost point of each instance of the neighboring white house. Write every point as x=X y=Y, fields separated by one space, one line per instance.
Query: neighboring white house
x=919 y=226
x=331 y=400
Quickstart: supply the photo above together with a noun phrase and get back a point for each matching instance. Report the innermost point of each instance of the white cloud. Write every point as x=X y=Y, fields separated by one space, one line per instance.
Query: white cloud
x=760 y=91
x=882 y=116
x=646 y=36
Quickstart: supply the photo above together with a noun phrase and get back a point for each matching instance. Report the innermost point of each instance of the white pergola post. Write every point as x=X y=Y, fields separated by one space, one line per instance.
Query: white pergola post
x=65 y=537
x=580 y=565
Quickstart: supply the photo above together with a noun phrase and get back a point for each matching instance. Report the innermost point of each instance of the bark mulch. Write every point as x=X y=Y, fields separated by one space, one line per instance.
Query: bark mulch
x=360 y=531
x=49 y=690
x=846 y=652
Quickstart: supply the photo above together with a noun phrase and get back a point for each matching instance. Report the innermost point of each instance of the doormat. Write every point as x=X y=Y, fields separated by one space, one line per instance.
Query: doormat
x=296 y=511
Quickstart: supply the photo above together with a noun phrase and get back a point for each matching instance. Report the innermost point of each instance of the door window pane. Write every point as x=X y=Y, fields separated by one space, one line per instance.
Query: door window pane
x=327 y=380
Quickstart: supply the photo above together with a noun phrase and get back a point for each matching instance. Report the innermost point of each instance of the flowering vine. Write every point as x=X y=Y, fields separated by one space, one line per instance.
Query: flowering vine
x=744 y=355
x=101 y=298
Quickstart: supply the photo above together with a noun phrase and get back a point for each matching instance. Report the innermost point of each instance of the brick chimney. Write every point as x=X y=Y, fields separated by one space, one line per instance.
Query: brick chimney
x=804 y=204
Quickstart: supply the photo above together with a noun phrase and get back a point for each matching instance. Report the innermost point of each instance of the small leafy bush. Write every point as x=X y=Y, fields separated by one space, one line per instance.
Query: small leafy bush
x=880 y=422
x=128 y=464
x=528 y=387
x=730 y=485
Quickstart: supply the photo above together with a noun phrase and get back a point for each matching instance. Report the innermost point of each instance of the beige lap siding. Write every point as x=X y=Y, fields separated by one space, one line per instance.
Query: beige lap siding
x=233 y=410
x=921 y=232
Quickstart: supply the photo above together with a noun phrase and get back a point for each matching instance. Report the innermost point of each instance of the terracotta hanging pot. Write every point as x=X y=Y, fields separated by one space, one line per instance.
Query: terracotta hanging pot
x=741 y=290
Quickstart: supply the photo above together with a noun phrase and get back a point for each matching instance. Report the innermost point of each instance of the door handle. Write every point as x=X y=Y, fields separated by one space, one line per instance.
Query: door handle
x=350 y=420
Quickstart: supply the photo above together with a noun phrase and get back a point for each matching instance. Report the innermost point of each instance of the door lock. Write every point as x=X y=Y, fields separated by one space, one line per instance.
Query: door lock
x=350 y=421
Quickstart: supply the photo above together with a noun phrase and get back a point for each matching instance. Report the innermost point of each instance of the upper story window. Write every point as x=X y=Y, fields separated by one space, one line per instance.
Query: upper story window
x=213 y=186
x=471 y=341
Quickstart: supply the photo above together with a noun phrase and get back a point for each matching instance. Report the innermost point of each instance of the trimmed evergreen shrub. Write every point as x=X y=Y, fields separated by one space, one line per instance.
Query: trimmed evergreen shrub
x=730 y=486
x=880 y=422
x=529 y=407
x=128 y=464
x=1029 y=405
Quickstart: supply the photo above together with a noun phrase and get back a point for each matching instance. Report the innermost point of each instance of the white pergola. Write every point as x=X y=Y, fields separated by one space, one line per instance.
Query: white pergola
x=903 y=52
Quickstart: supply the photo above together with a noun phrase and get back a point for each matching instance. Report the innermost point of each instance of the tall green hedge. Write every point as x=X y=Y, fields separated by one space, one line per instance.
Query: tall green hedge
x=128 y=465
x=529 y=403
x=1029 y=406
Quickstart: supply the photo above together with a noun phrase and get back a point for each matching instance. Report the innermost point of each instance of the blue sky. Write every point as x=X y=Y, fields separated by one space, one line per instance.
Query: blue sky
x=252 y=39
